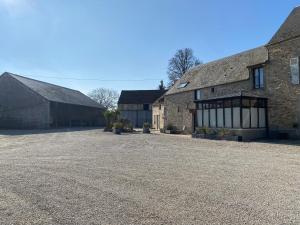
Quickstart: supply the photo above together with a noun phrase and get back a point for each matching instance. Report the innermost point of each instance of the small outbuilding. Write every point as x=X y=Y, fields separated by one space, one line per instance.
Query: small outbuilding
x=158 y=113
x=136 y=105
x=30 y=104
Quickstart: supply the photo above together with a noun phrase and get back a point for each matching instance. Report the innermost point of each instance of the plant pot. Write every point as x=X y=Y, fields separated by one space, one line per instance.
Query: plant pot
x=146 y=130
x=170 y=132
x=106 y=129
x=117 y=131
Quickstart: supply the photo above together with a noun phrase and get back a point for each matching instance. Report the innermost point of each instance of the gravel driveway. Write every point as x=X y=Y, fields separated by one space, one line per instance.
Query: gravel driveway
x=91 y=177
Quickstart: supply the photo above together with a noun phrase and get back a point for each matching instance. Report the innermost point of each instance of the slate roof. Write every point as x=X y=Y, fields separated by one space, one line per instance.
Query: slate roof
x=223 y=71
x=55 y=93
x=289 y=29
x=140 y=96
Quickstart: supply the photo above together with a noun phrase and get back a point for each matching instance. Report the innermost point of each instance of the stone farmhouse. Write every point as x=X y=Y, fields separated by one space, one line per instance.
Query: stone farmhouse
x=136 y=105
x=30 y=104
x=254 y=93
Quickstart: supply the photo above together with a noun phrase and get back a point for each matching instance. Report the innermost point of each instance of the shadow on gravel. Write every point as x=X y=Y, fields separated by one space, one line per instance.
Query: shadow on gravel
x=45 y=131
x=280 y=142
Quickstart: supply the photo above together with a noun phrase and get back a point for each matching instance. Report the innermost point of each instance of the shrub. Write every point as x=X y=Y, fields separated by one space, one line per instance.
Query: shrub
x=202 y=130
x=223 y=132
x=127 y=126
x=111 y=116
x=212 y=131
x=118 y=125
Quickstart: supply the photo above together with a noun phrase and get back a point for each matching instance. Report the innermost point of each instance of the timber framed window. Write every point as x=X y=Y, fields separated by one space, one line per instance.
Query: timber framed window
x=294 y=64
x=258 y=77
x=240 y=112
x=197 y=94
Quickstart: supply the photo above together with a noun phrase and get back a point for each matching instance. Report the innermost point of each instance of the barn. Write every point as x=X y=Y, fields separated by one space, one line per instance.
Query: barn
x=136 y=105
x=31 y=104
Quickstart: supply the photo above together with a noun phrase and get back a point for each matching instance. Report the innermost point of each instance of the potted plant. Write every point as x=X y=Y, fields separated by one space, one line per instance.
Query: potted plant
x=170 y=129
x=223 y=133
x=201 y=132
x=117 y=128
x=111 y=116
x=108 y=119
x=146 y=128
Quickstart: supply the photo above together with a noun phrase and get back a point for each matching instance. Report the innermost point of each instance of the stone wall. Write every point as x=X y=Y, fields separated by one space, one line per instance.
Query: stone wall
x=177 y=111
x=158 y=117
x=284 y=97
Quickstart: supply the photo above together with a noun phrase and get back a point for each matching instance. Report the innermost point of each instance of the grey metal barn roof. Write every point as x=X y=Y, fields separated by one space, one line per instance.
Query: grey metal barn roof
x=55 y=93
x=140 y=96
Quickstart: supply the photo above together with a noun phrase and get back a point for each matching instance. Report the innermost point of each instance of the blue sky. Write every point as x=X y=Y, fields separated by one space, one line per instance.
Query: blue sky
x=126 y=44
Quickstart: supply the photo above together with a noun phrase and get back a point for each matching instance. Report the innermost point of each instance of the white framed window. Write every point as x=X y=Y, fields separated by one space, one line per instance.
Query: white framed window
x=197 y=94
x=258 y=77
x=294 y=64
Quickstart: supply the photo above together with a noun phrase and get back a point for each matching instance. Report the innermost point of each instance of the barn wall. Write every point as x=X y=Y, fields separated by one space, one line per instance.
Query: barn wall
x=64 y=115
x=137 y=117
x=128 y=107
x=21 y=108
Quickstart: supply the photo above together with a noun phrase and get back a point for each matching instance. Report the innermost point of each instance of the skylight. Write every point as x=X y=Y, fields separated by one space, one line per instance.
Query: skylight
x=182 y=85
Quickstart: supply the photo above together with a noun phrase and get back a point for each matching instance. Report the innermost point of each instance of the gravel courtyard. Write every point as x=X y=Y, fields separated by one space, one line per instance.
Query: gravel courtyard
x=91 y=177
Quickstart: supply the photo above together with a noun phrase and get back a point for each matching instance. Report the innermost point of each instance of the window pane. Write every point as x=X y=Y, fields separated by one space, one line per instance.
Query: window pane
x=236 y=103
x=256 y=78
x=246 y=103
x=254 y=119
x=261 y=77
x=228 y=118
x=246 y=118
x=236 y=117
x=219 y=104
x=182 y=85
x=205 y=118
x=198 y=94
x=213 y=118
x=227 y=104
x=199 y=118
x=262 y=118
x=220 y=117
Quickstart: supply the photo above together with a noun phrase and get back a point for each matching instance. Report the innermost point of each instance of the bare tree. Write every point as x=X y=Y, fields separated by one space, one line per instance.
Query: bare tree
x=106 y=97
x=180 y=63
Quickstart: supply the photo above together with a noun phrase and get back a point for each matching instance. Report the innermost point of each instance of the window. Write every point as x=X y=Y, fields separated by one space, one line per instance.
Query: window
x=212 y=90
x=182 y=85
x=294 y=64
x=197 y=94
x=258 y=77
x=146 y=107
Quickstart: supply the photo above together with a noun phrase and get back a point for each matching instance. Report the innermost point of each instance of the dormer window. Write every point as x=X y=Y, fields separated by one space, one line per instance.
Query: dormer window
x=182 y=85
x=258 y=77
